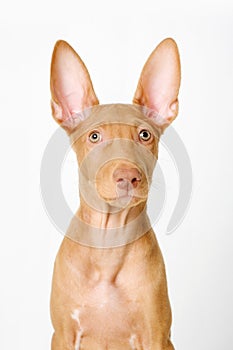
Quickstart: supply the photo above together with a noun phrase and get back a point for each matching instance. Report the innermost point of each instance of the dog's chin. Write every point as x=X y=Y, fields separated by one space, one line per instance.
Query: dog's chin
x=125 y=201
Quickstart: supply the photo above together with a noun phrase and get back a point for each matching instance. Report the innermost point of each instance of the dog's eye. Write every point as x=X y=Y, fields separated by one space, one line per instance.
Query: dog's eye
x=95 y=137
x=145 y=135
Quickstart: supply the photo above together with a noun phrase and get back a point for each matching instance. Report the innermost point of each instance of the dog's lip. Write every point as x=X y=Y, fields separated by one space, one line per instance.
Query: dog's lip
x=127 y=195
x=124 y=196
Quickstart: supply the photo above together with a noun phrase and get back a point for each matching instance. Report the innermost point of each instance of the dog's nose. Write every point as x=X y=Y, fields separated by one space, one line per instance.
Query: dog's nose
x=132 y=175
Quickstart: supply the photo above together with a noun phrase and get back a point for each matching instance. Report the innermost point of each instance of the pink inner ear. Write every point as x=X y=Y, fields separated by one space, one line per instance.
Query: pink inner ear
x=71 y=86
x=159 y=82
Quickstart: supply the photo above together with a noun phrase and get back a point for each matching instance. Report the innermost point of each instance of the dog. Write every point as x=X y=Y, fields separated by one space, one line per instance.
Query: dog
x=109 y=288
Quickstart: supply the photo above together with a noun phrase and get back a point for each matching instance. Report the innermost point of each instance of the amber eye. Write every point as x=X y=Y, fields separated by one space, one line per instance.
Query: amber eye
x=145 y=135
x=94 y=136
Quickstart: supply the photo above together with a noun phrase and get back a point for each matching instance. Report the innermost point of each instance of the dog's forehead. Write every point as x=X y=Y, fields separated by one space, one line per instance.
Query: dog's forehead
x=117 y=113
x=125 y=114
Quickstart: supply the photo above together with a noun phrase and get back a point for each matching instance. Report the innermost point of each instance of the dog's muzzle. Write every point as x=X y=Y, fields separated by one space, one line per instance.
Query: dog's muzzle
x=116 y=149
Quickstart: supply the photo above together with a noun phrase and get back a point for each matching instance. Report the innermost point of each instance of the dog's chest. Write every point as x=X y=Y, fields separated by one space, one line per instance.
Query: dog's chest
x=107 y=310
x=107 y=299
x=100 y=312
x=101 y=289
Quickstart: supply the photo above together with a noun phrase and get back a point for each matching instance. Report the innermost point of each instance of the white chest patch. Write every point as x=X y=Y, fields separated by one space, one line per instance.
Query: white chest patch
x=75 y=316
x=132 y=342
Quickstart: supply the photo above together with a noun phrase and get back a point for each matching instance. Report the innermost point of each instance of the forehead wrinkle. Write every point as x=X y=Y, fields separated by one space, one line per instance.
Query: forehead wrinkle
x=119 y=130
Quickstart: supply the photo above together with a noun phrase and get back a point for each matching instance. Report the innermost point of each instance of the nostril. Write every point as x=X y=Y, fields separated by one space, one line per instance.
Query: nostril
x=132 y=176
x=135 y=181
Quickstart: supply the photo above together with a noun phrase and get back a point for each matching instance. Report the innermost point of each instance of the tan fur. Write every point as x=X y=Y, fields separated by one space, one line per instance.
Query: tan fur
x=118 y=292
x=112 y=298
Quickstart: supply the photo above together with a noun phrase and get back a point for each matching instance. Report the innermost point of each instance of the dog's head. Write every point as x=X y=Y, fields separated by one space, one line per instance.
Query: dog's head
x=116 y=145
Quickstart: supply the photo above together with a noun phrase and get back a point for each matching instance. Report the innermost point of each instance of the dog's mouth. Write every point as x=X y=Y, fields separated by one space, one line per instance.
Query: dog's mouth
x=126 y=193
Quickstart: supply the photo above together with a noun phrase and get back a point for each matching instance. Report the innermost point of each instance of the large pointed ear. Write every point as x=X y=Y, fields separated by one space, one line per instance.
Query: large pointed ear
x=159 y=82
x=70 y=84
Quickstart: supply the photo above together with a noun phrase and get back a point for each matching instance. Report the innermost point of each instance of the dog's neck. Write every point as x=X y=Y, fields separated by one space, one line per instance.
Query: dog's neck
x=108 y=220
x=108 y=230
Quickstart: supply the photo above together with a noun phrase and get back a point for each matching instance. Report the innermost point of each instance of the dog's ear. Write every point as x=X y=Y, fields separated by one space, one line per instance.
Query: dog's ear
x=70 y=84
x=159 y=82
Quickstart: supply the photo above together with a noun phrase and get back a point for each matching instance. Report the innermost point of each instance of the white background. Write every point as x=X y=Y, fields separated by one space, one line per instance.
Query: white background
x=114 y=39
